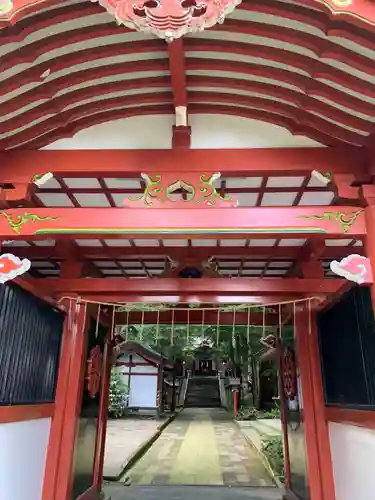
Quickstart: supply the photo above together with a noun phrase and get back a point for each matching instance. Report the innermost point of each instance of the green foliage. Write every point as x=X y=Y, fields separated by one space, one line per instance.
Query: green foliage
x=273 y=449
x=181 y=341
x=274 y=413
x=247 y=413
x=118 y=396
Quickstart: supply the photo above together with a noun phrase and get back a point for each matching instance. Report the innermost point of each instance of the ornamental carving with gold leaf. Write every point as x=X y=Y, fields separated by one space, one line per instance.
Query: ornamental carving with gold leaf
x=176 y=190
x=169 y=19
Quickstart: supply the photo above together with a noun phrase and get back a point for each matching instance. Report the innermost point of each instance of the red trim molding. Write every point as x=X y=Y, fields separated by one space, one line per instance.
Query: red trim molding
x=9 y=414
x=358 y=418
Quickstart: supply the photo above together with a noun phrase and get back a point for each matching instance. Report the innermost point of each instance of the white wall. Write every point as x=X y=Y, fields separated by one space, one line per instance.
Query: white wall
x=143 y=388
x=353 y=457
x=143 y=391
x=208 y=131
x=23 y=450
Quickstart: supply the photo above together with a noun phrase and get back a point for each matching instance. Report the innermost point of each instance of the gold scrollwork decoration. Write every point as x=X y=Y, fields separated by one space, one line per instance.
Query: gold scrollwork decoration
x=345 y=219
x=159 y=189
x=207 y=190
x=154 y=189
x=17 y=221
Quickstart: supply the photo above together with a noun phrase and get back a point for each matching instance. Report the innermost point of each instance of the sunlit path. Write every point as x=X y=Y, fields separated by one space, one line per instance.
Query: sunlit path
x=201 y=447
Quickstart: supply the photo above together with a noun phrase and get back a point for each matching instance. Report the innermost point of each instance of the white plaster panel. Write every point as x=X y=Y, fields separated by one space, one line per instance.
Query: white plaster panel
x=208 y=131
x=219 y=131
x=353 y=452
x=144 y=369
x=23 y=450
x=138 y=132
x=143 y=391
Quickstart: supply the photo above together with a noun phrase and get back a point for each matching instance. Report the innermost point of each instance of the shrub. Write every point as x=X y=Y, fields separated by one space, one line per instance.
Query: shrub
x=247 y=413
x=274 y=413
x=118 y=396
x=273 y=449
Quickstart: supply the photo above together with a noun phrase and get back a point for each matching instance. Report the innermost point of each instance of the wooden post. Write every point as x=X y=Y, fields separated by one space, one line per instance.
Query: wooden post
x=104 y=401
x=173 y=403
x=322 y=432
x=74 y=394
x=62 y=389
x=283 y=411
x=159 y=392
x=235 y=402
x=302 y=348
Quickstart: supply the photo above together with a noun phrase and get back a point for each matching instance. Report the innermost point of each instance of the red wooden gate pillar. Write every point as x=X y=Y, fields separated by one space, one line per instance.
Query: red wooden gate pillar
x=369 y=193
x=319 y=462
x=103 y=410
x=57 y=481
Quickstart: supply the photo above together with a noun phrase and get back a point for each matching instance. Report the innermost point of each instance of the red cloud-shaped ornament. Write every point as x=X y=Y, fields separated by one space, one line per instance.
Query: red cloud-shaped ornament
x=354 y=268
x=11 y=267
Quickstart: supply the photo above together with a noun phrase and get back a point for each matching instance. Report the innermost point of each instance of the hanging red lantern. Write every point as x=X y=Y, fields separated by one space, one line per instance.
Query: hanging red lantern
x=289 y=373
x=94 y=372
x=169 y=19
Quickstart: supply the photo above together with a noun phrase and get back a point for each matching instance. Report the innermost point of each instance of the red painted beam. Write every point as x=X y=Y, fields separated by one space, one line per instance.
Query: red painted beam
x=238 y=286
x=23 y=164
x=204 y=298
x=226 y=222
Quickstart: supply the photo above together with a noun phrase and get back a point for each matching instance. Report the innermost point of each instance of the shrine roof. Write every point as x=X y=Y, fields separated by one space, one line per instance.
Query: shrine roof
x=143 y=350
x=68 y=66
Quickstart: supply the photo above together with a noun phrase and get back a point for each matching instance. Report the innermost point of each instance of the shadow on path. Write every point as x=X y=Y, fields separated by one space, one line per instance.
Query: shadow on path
x=119 y=492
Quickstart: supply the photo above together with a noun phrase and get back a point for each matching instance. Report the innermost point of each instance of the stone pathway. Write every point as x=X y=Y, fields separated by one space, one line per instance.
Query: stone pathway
x=201 y=447
x=172 y=492
x=124 y=437
x=260 y=430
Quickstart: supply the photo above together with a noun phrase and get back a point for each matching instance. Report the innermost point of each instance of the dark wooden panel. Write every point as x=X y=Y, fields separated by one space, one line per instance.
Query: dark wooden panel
x=347 y=349
x=30 y=339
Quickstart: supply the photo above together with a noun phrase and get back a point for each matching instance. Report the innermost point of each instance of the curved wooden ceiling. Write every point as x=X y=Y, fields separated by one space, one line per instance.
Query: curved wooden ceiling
x=69 y=66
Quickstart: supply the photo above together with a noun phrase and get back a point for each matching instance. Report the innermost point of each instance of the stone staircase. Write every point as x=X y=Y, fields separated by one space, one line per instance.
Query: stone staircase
x=203 y=392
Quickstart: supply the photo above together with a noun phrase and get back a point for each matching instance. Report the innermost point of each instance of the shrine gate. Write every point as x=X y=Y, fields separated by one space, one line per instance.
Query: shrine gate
x=233 y=165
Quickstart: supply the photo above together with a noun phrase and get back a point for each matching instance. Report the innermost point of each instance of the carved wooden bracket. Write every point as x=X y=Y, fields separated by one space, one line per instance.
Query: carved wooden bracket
x=162 y=191
x=308 y=262
x=368 y=194
x=15 y=192
x=345 y=191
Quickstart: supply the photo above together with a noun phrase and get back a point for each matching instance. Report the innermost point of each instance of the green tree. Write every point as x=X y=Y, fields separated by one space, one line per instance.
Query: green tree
x=118 y=396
